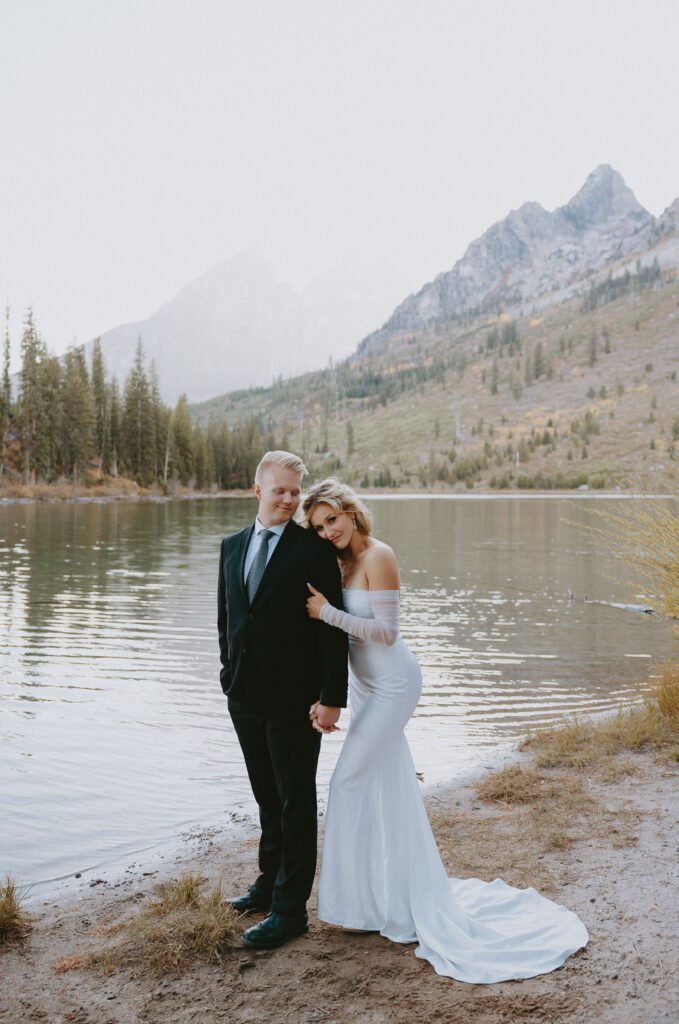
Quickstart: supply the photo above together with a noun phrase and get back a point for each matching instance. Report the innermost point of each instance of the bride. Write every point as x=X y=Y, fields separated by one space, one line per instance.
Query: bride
x=381 y=870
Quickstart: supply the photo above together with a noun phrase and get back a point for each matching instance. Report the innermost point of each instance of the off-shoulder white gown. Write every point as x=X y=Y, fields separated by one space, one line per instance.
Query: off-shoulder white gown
x=380 y=868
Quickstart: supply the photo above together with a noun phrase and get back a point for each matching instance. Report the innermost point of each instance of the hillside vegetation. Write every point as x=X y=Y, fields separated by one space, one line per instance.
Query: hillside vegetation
x=581 y=394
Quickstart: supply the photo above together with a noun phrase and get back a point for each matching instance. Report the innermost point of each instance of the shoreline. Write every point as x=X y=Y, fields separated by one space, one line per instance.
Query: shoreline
x=152 y=497
x=234 y=827
x=611 y=859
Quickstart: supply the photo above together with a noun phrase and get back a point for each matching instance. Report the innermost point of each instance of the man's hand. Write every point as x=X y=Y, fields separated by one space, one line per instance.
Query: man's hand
x=324 y=718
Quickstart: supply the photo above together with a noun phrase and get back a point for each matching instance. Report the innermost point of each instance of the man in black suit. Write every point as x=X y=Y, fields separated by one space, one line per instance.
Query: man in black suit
x=276 y=663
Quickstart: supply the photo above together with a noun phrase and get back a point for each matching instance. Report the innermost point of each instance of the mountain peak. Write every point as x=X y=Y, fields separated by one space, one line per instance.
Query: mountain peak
x=533 y=252
x=603 y=197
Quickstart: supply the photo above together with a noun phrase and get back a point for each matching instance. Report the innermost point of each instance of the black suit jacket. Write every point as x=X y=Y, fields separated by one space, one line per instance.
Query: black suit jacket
x=276 y=661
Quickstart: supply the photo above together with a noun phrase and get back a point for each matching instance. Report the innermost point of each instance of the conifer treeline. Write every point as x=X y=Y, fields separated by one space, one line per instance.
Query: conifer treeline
x=70 y=420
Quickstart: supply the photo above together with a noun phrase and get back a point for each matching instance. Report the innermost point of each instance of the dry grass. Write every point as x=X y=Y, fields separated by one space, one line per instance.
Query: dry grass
x=585 y=743
x=667 y=694
x=537 y=810
x=512 y=785
x=646 y=536
x=550 y=804
x=530 y=814
x=14 y=921
x=180 y=924
x=556 y=805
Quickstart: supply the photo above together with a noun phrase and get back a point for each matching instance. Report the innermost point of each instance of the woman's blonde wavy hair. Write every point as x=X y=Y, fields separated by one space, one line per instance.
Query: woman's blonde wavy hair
x=339 y=496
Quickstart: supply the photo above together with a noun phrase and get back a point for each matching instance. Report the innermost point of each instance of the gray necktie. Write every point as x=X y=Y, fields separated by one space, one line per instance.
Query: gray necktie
x=259 y=564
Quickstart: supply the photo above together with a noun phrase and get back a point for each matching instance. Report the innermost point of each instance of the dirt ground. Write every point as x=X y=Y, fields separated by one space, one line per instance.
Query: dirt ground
x=606 y=847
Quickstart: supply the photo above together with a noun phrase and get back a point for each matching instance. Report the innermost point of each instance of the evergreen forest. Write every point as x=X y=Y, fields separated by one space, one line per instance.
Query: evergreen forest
x=70 y=420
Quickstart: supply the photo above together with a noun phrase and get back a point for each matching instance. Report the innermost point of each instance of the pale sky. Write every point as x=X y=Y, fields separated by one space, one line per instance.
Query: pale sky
x=144 y=141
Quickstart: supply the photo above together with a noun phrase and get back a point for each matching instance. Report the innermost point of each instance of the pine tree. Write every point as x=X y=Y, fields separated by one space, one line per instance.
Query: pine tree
x=220 y=437
x=161 y=420
x=115 y=425
x=138 y=428
x=200 y=459
x=539 y=367
x=5 y=395
x=494 y=376
x=510 y=334
x=253 y=451
x=515 y=385
x=51 y=385
x=79 y=416
x=350 y=438
x=607 y=340
x=528 y=370
x=167 y=427
x=211 y=462
x=32 y=411
x=182 y=437
x=324 y=430
x=593 y=354
x=102 y=424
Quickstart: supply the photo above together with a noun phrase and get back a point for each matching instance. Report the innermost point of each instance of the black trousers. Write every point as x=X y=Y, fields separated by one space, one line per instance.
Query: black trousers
x=281 y=759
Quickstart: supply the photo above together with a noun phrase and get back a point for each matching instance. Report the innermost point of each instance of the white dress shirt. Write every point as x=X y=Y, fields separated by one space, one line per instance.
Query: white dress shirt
x=253 y=547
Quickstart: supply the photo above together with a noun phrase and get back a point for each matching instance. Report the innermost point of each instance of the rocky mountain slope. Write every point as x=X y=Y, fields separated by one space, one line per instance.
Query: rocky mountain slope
x=536 y=256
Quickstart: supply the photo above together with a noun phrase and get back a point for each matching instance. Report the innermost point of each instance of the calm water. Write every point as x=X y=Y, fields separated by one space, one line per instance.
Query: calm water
x=115 y=734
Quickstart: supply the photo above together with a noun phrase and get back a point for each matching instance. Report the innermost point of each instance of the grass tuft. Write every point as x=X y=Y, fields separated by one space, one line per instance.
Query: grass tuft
x=667 y=694
x=179 y=924
x=185 y=891
x=14 y=921
x=511 y=785
x=517 y=785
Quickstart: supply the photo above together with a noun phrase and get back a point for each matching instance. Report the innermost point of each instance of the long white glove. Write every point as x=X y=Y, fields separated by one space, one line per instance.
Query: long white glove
x=382 y=629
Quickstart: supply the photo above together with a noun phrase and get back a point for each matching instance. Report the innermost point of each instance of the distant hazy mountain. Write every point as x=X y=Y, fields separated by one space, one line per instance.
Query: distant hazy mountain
x=533 y=253
x=237 y=326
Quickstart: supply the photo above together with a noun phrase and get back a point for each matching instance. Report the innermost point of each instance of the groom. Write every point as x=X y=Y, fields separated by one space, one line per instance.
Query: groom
x=276 y=663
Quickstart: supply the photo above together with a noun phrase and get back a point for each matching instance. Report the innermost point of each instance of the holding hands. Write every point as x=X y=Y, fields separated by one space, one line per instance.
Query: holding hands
x=323 y=718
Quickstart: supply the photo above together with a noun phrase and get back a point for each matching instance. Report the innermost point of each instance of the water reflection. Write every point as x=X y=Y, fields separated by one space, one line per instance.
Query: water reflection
x=114 y=729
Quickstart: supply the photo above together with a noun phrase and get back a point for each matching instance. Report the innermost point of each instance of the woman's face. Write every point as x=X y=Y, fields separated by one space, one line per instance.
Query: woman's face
x=337 y=527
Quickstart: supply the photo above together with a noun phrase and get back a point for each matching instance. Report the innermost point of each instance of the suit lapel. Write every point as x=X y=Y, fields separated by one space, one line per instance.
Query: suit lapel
x=278 y=558
x=245 y=543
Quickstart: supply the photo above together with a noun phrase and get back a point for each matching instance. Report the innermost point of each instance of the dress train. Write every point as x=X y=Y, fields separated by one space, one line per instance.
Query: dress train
x=381 y=869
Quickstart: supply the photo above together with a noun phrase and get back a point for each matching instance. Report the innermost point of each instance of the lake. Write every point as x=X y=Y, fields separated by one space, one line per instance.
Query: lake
x=115 y=732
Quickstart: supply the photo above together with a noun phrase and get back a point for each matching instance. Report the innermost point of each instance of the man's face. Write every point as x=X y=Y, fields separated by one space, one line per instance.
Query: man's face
x=278 y=491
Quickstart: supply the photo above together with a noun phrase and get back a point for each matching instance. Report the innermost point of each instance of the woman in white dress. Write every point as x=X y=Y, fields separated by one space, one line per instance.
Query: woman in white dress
x=380 y=869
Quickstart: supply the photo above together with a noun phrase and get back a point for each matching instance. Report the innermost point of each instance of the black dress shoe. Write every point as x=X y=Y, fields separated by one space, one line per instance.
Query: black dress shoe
x=275 y=930
x=254 y=899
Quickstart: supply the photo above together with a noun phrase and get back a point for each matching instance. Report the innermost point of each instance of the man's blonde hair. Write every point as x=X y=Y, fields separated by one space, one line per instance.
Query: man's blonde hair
x=278 y=458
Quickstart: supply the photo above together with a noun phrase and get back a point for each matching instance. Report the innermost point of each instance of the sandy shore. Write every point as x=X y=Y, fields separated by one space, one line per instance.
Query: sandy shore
x=604 y=843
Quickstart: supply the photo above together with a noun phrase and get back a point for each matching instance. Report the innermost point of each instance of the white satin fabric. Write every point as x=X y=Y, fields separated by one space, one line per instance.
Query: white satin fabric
x=381 y=869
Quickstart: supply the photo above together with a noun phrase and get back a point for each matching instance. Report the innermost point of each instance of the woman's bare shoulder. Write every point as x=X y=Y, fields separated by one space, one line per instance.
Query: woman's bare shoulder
x=381 y=566
x=379 y=552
